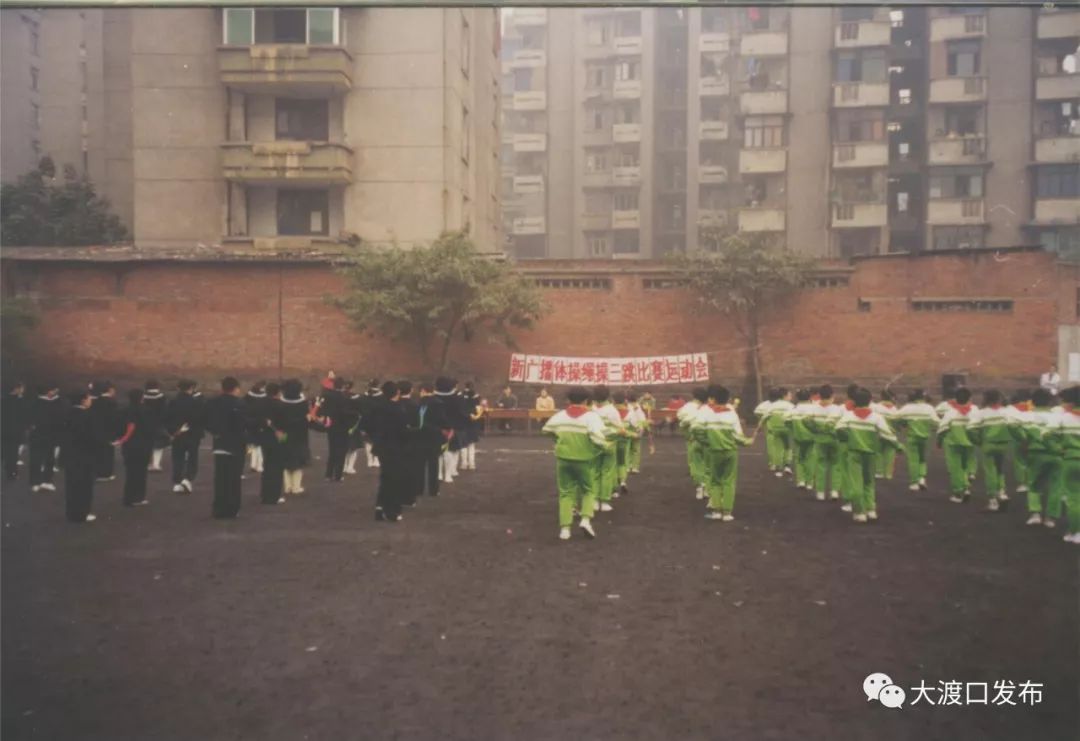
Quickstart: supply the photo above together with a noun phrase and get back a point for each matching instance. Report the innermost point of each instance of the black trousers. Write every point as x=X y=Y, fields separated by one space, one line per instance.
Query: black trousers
x=272 y=481
x=185 y=459
x=136 y=461
x=42 y=460
x=338 y=441
x=79 y=489
x=227 y=472
x=9 y=455
x=430 y=472
x=392 y=482
x=105 y=465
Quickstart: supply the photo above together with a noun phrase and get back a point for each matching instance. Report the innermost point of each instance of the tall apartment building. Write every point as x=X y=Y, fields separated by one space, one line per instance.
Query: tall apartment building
x=267 y=127
x=631 y=132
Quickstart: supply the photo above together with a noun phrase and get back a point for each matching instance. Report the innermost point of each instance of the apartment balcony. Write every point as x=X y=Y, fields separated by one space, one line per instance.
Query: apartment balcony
x=1060 y=23
x=763 y=102
x=283 y=243
x=762 y=161
x=714 y=86
x=963 y=26
x=859 y=215
x=860 y=154
x=529 y=142
x=1058 y=149
x=860 y=94
x=712 y=218
x=862 y=34
x=530 y=16
x=764 y=44
x=287 y=162
x=530 y=100
x=955 y=211
x=529 y=225
x=626 y=133
x=626 y=89
x=1057 y=211
x=528 y=59
x=626 y=219
x=627 y=46
x=712 y=174
x=597 y=179
x=627 y=175
x=601 y=137
x=715 y=131
x=596 y=222
x=965 y=150
x=296 y=70
x=762 y=219
x=601 y=51
x=958 y=90
x=525 y=184
x=1057 y=87
x=715 y=43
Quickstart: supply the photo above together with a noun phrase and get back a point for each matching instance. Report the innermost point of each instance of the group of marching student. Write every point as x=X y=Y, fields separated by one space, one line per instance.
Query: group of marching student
x=416 y=443
x=838 y=450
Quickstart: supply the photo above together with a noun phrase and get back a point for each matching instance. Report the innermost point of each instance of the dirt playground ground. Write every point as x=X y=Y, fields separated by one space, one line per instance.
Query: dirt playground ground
x=470 y=620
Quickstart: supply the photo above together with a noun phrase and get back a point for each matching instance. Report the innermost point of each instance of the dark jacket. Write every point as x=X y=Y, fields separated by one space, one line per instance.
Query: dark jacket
x=256 y=412
x=82 y=439
x=108 y=417
x=155 y=406
x=225 y=420
x=138 y=434
x=432 y=425
x=14 y=417
x=391 y=429
x=189 y=409
x=47 y=419
x=367 y=406
x=290 y=417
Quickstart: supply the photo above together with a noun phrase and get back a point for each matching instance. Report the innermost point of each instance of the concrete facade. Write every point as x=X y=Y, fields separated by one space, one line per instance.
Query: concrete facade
x=840 y=132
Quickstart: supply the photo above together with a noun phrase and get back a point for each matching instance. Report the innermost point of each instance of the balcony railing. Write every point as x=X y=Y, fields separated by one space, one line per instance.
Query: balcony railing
x=714 y=131
x=763 y=102
x=286 y=69
x=714 y=86
x=626 y=89
x=530 y=142
x=626 y=175
x=764 y=44
x=285 y=162
x=528 y=58
x=1058 y=149
x=524 y=184
x=626 y=219
x=1057 y=87
x=958 y=90
x=627 y=46
x=529 y=225
x=762 y=219
x=762 y=161
x=963 y=26
x=530 y=100
x=860 y=94
x=856 y=34
x=957 y=151
x=861 y=154
x=530 y=16
x=1060 y=23
x=1057 y=210
x=626 y=133
x=715 y=43
x=859 y=215
x=712 y=174
x=946 y=211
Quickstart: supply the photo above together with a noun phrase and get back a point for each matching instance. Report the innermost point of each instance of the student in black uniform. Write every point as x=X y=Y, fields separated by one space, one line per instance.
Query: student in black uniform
x=185 y=411
x=13 y=422
x=333 y=409
x=370 y=401
x=293 y=422
x=136 y=446
x=154 y=406
x=390 y=446
x=412 y=472
x=106 y=413
x=455 y=417
x=82 y=449
x=226 y=421
x=432 y=433
x=47 y=417
x=470 y=409
x=272 y=441
x=255 y=412
x=356 y=437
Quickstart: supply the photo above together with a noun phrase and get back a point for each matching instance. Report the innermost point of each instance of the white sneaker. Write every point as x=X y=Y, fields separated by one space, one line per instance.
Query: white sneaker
x=35 y=488
x=787 y=470
x=1003 y=496
x=922 y=484
x=90 y=518
x=586 y=526
x=713 y=515
x=878 y=476
x=779 y=474
x=299 y=491
x=564 y=533
x=834 y=494
x=1035 y=519
x=871 y=515
x=178 y=489
x=1021 y=490
x=615 y=494
x=859 y=518
x=187 y=485
x=1074 y=538
x=820 y=496
x=605 y=507
x=993 y=506
x=955 y=499
x=914 y=487
x=729 y=517
x=281 y=501
x=49 y=485
x=700 y=493
x=143 y=503
x=845 y=508
x=1049 y=522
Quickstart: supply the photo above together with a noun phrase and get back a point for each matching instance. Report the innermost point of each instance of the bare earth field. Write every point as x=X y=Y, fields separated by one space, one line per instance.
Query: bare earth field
x=470 y=620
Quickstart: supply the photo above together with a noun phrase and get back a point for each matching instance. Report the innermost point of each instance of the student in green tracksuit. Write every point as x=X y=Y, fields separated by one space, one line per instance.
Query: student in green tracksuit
x=1044 y=460
x=623 y=443
x=864 y=432
x=919 y=421
x=972 y=461
x=993 y=428
x=826 y=449
x=886 y=462
x=638 y=419
x=685 y=417
x=800 y=425
x=1064 y=434
x=1021 y=407
x=718 y=430
x=580 y=438
x=761 y=414
x=770 y=415
x=606 y=463
x=952 y=436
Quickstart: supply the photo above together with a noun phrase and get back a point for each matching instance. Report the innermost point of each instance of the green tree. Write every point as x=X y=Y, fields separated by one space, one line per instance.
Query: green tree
x=743 y=275
x=431 y=296
x=17 y=318
x=38 y=211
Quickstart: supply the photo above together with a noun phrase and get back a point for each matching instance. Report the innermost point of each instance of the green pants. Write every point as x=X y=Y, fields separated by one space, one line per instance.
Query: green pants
x=635 y=454
x=993 y=459
x=915 y=453
x=841 y=472
x=860 y=481
x=972 y=464
x=1070 y=483
x=622 y=460
x=696 y=461
x=577 y=481
x=776 y=449
x=1021 y=472
x=826 y=458
x=1046 y=479
x=886 y=462
x=605 y=476
x=804 y=462
x=723 y=469
x=958 y=462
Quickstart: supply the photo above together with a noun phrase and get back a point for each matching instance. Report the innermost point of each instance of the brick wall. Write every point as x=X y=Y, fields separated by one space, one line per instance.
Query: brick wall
x=130 y=320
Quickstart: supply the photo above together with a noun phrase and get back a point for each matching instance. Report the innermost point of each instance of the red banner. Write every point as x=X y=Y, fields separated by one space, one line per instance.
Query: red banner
x=645 y=371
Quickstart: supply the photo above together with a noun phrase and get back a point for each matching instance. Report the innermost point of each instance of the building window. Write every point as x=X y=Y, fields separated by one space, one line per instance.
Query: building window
x=626 y=200
x=1058 y=181
x=662 y=284
x=301 y=119
x=33 y=78
x=247 y=26
x=522 y=79
x=856 y=242
x=828 y=281
x=957 y=183
x=958 y=237
x=1065 y=241
x=597 y=121
x=466 y=46
x=763 y=132
x=861 y=66
x=303 y=212
x=596 y=284
x=997 y=306
x=594 y=76
x=627 y=70
x=597 y=34
x=598 y=245
x=963 y=58
x=596 y=161
x=859 y=126
x=626 y=243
